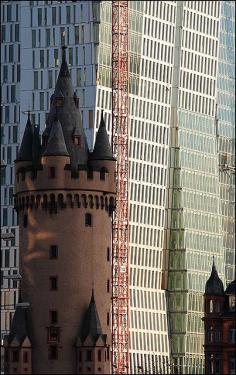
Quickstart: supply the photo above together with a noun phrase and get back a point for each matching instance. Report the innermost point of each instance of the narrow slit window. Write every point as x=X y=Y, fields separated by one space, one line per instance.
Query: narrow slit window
x=52 y=172
x=53 y=283
x=88 y=220
x=53 y=317
x=53 y=252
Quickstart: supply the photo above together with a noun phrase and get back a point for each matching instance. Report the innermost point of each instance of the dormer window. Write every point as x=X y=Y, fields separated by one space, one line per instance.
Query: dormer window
x=77 y=140
x=59 y=101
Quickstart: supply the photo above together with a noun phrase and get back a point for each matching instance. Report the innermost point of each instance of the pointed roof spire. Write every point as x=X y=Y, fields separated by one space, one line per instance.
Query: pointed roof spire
x=64 y=85
x=25 y=152
x=36 y=146
x=91 y=325
x=64 y=71
x=102 y=148
x=20 y=327
x=56 y=143
x=214 y=285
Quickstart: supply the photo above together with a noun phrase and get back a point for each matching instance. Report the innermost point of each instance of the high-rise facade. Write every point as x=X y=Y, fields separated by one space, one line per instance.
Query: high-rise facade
x=225 y=122
x=174 y=173
x=194 y=219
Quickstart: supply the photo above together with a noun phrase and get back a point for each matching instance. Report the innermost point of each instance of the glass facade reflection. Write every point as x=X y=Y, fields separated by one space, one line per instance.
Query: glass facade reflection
x=225 y=119
x=194 y=227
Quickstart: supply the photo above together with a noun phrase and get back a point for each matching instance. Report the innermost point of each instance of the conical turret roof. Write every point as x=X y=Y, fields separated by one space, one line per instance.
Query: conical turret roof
x=214 y=285
x=102 y=148
x=25 y=152
x=56 y=143
x=91 y=325
x=20 y=327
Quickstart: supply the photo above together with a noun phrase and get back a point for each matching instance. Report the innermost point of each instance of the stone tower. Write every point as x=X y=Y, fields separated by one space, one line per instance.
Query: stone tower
x=64 y=196
x=219 y=326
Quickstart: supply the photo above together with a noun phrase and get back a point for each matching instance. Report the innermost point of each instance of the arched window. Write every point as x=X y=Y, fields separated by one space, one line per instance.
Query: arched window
x=211 y=305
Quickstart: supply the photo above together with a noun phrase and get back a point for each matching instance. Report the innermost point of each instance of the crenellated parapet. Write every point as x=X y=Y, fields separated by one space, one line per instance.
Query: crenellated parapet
x=53 y=202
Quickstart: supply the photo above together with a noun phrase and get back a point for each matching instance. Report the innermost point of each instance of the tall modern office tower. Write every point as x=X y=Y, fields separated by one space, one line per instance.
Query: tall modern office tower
x=194 y=225
x=225 y=118
x=10 y=119
x=165 y=60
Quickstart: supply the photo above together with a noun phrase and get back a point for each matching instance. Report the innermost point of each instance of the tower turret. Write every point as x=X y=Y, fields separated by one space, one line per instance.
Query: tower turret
x=102 y=148
x=92 y=345
x=56 y=143
x=65 y=240
x=214 y=298
x=17 y=344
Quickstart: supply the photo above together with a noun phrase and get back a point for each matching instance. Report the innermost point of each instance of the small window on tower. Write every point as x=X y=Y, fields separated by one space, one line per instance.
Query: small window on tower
x=108 y=286
x=53 y=252
x=88 y=355
x=90 y=174
x=108 y=318
x=52 y=172
x=88 y=220
x=103 y=173
x=53 y=317
x=59 y=101
x=25 y=357
x=53 y=334
x=53 y=352
x=25 y=221
x=108 y=254
x=77 y=140
x=53 y=283
x=15 y=356
x=99 y=355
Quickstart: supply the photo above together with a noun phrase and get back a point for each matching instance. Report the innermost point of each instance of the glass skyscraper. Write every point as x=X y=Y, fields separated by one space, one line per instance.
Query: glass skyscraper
x=225 y=121
x=177 y=190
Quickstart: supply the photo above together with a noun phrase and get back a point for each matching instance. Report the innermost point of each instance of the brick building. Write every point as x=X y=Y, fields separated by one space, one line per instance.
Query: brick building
x=219 y=322
x=64 y=198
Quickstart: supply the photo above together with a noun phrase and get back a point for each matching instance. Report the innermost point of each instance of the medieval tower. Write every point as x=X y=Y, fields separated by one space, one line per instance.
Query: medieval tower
x=64 y=196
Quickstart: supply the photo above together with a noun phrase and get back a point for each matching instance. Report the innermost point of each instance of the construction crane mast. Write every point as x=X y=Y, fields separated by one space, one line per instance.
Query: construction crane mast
x=120 y=225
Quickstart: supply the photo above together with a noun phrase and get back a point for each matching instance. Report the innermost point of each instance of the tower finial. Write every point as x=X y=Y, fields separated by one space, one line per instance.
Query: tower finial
x=28 y=114
x=102 y=122
x=63 y=49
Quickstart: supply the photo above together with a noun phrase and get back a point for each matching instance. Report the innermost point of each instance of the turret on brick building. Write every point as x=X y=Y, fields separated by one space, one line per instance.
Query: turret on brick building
x=64 y=196
x=219 y=323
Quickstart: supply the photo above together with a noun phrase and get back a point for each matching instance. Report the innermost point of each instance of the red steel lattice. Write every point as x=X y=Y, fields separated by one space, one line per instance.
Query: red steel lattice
x=120 y=226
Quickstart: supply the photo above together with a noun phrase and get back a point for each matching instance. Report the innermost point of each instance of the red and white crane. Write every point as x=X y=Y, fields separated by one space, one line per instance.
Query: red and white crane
x=120 y=226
